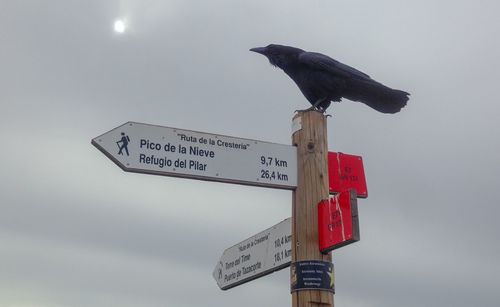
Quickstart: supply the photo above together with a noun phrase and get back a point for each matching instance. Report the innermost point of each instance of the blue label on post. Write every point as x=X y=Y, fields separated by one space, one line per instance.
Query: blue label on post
x=312 y=275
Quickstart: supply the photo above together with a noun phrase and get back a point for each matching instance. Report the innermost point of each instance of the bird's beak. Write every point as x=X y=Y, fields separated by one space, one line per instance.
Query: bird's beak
x=261 y=50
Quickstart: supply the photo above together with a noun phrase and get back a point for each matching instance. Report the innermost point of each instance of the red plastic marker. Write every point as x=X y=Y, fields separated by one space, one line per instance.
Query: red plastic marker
x=346 y=172
x=338 y=223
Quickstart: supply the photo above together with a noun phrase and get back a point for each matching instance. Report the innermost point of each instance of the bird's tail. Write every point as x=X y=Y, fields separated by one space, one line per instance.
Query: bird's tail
x=376 y=95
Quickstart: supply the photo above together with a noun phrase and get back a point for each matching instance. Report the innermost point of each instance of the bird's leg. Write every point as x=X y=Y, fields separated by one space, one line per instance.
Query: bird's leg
x=316 y=106
x=327 y=115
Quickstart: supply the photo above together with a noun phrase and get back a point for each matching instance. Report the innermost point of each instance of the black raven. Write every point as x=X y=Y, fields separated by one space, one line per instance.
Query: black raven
x=322 y=80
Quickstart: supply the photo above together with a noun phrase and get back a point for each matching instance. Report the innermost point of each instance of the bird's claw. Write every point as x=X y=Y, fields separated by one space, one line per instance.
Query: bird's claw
x=313 y=108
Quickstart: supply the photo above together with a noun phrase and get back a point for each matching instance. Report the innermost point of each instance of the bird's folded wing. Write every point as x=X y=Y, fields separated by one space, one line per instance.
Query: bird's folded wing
x=322 y=62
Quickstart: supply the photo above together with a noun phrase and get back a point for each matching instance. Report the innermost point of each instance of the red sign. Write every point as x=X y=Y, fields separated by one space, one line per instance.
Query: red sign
x=338 y=223
x=346 y=172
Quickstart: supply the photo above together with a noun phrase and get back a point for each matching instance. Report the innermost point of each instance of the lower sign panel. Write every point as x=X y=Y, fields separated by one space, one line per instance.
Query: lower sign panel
x=338 y=223
x=262 y=254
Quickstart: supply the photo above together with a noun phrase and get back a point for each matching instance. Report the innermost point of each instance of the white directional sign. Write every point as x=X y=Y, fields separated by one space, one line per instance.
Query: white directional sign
x=151 y=149
x=262 y=254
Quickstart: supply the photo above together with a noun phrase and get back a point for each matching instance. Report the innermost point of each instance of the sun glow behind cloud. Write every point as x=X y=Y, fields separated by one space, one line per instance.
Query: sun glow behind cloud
x=119 y=26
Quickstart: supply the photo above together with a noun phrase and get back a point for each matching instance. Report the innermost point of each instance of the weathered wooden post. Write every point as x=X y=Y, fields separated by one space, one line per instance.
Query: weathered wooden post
x=311 y=271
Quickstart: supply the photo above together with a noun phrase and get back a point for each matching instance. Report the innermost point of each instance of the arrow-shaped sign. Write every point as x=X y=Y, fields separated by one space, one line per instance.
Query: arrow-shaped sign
x=262 y=254
x=151 y=149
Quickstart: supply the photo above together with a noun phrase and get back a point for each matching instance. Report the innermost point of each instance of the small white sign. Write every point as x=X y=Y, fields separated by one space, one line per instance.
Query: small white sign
x=262 y=254
x=296 y=124
x=151 y=149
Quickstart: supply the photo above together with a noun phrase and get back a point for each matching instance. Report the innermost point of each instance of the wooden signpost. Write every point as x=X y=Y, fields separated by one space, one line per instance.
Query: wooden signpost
x=302 y=167
x=310 y=138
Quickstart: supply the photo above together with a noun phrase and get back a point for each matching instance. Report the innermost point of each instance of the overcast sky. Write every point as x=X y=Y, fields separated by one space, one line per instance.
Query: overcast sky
x=76 y=230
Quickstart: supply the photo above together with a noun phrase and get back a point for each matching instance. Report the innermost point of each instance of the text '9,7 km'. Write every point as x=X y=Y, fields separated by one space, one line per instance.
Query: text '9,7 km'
x=272 y=174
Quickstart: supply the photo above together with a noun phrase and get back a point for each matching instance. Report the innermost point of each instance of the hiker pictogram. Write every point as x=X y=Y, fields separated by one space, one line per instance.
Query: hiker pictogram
x=123 y=144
